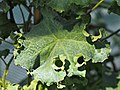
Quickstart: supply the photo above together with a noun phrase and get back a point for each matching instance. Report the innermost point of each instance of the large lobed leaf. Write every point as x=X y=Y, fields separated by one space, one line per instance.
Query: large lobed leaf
x=62 y=5
x=51 y=46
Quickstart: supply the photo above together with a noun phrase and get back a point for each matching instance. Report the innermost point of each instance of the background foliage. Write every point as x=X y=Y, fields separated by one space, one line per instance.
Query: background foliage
x=59 y=44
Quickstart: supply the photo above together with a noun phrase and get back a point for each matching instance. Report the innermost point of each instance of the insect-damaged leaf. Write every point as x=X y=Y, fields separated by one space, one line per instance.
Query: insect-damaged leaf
x=62 y=5
x=54 y=45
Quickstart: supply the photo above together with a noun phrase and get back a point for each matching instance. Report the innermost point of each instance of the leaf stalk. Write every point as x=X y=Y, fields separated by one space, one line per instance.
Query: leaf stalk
x=97 y=4
x=111 y=35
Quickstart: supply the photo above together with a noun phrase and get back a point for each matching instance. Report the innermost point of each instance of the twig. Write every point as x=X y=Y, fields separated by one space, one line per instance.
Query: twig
x=10 y=61
x=113 y=32
x=97 y=4
x=11 y=13
x=111 y=35
x=3 y=61
x=6 y=73
x=22 y=13
x=114 y=66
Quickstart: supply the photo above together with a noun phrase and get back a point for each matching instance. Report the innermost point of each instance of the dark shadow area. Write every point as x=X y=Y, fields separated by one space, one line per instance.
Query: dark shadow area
x=37 y=62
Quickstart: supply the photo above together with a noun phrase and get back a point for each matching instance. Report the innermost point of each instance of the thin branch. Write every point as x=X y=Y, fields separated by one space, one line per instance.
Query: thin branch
x=3 y=61
x=22 y=13
x=28 y=8
x=10 y=61
x=111 y=35
x=6 y=72
x=113 y=32
x=97 y=4
x=114 y=66
x=11 y=13
x=97 y=26
x=7 y=65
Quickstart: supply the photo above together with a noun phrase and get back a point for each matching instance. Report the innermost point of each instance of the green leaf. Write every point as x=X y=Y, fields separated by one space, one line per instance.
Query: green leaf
x=35 y=85
x=32 y=86
x=117 y=88
x=115 y=8
x=7 y=84
x=94 y=38
x=6 y=26
x=118 y=2
x=13 y=87
x=1 y=83
x=54 y=45
x=62 y=5
x=4 y=53
x=4 y=6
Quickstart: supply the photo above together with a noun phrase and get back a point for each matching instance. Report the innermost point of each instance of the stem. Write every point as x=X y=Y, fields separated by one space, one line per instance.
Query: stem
x=6 y=73
x=11 y=13
x=90 y=10
x=113 y=32
x=111 y=35
x=114 y=67
x=10 y=61
x=97 y=4
x=4 y=77
x=105 y=5
x=22 y=13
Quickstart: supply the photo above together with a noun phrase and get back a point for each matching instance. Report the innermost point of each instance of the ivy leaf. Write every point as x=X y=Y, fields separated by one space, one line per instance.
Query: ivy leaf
x=54 y=45
x=62 y=5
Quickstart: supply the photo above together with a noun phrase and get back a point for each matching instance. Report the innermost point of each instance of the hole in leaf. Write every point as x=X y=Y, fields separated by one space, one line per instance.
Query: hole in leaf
x=67 y=64
x=81 y=68
x=57 y=70
x=58 y=63
x=80 y=60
